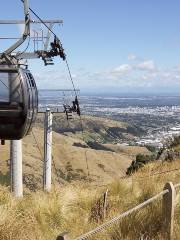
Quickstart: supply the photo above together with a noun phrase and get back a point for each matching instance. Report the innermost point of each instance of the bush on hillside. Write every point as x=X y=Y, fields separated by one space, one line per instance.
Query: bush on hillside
x=141 y=160
x=176 y=141
x=151 y=148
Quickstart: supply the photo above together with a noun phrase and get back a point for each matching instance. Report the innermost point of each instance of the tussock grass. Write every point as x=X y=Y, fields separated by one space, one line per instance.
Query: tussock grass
x=43 y=216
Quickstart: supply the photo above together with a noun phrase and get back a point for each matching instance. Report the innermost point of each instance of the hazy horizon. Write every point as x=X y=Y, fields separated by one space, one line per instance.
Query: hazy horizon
x=122 y=93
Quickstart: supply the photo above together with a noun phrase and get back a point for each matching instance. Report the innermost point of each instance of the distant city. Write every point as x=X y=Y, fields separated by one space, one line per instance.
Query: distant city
x=156 y=118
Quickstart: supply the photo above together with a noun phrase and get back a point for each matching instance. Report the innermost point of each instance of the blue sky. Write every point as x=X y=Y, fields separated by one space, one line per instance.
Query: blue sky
x=112 y=45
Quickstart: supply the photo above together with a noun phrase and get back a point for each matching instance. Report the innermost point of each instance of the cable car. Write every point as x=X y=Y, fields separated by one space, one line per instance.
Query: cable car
x=18 y=102
x=18 y=91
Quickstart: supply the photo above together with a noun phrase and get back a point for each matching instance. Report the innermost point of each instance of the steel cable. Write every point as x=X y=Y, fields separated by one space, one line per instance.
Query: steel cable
x=68 y=68
x=116 y=219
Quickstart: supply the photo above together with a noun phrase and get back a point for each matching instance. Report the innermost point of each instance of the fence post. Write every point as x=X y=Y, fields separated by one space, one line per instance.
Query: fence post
x=47 y=150
x=63 y=236
x=105 y=204
x=168 y=210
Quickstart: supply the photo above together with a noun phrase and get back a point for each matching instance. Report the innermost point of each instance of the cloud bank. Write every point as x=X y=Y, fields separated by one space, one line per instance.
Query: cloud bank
x=136 y=74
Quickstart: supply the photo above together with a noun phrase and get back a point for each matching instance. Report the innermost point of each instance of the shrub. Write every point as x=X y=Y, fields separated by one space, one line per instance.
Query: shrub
x=140 y=161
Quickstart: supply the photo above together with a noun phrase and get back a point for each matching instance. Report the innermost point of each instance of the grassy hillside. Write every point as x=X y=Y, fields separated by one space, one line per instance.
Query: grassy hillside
x=74 y=203
x=75 y=208
x=73 y=159
x=95 y=128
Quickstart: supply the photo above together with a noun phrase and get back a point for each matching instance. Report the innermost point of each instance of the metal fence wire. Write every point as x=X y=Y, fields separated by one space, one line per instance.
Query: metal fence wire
x=168 y=206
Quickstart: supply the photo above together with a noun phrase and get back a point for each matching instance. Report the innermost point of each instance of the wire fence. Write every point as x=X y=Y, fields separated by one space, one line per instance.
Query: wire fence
x=168 y=206
x=117 y=218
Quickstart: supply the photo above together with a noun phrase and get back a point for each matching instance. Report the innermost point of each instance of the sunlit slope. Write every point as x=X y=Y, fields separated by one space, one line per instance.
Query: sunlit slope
x=73 y=159
x=95 y=128
x=69 y=162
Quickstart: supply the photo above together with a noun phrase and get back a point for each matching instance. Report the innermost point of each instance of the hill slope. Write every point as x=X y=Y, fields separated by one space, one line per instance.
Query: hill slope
x=75 y=208
x=73 y=159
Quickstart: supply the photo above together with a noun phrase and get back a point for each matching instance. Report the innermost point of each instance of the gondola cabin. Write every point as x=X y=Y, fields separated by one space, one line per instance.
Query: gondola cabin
x=18 y=102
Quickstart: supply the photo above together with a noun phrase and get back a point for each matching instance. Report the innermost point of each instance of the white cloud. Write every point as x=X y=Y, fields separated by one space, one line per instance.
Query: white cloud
x=147 y=65
x=145 y=77
x=177 y=77
x=177 y=68
x=132 y=57
x=74 y=75
x=122 y=69
x=142 y=75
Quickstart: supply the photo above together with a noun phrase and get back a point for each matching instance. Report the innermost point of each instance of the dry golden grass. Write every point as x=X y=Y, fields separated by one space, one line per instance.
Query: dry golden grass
x=72 y=207
x=45 y=215
x=127 y=150
x=103 y=165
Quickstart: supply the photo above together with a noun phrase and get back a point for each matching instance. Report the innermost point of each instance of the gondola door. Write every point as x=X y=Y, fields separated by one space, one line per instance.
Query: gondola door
x=29 y=101
x=34 y=98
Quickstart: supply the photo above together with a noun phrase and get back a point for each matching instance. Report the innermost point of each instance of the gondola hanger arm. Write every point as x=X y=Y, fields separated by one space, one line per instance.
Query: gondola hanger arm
x=26 y=31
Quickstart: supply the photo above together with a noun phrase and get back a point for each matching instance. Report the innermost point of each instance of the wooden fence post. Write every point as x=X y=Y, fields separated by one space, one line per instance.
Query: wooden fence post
x=105 y=204
x=63 y=236
x=168 y=210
